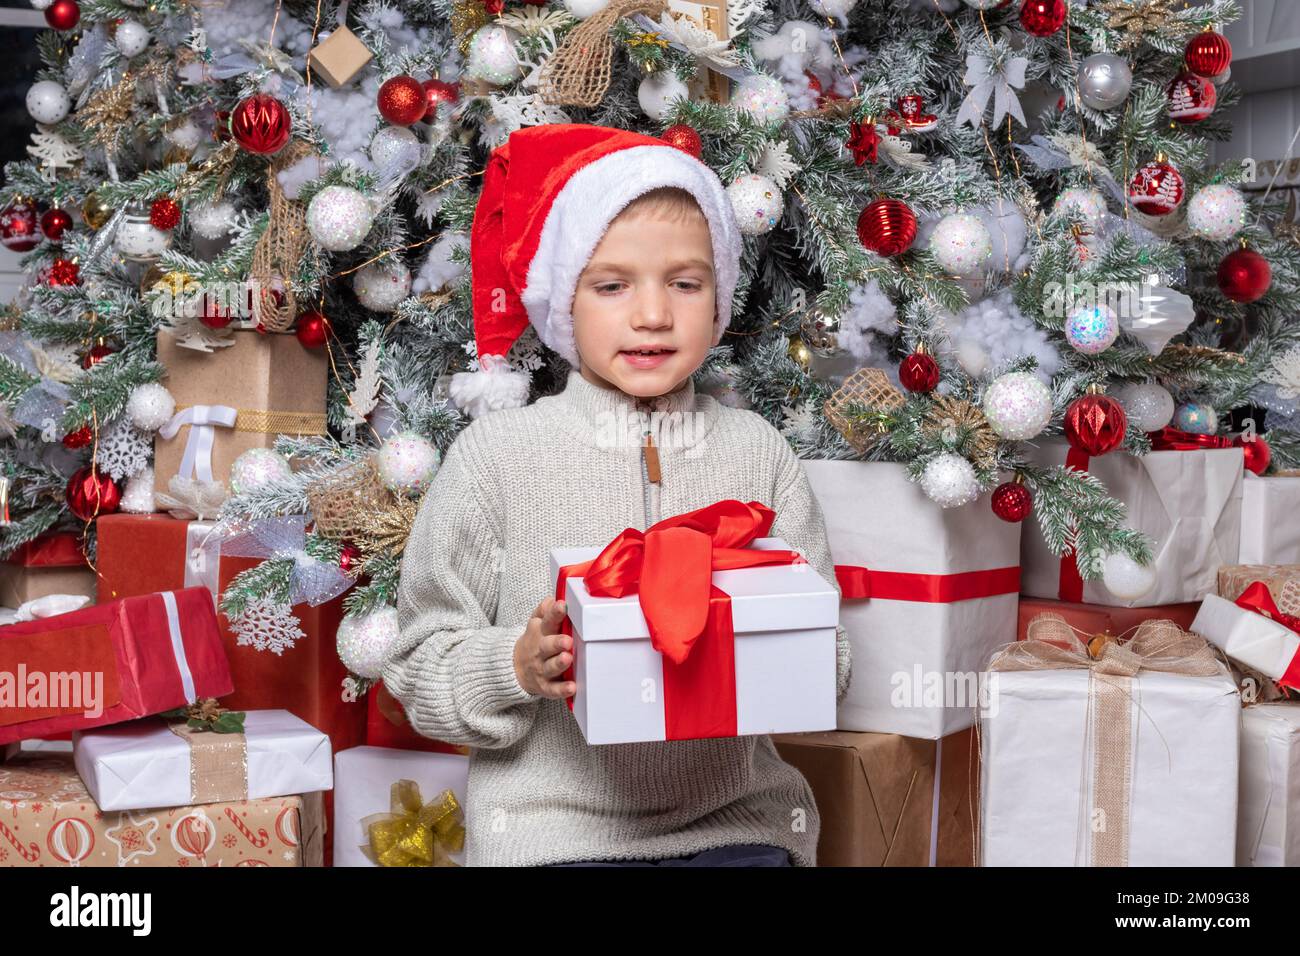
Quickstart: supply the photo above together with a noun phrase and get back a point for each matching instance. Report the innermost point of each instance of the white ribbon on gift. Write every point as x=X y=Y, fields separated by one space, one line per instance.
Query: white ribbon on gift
x=985 y=81
x=196 y=462
x=178 y=645
x=202 y=556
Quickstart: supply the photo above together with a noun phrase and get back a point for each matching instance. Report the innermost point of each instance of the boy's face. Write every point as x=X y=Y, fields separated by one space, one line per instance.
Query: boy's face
x=649 y=286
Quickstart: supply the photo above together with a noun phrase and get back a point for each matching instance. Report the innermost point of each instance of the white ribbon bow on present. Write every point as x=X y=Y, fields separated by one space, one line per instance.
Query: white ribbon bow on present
x=196 y=461
x=987 y=79
x=285 y=539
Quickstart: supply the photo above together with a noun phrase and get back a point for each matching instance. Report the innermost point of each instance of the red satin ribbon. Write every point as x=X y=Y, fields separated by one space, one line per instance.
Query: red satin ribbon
x=1173 y=439
x=1259 y=599
x=670 y=568
x=858 y=582
x=58 y=550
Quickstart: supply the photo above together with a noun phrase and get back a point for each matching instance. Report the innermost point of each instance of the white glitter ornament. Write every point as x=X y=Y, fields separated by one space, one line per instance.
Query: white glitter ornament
x=1018 y=406
x=492 y=57
x=137 y=497
x=581 y=9
x=339 y=217
x=657 y=92
x=839 y=9
x=1125 y=578
x=256 y=468
x=48 y=102
x=138 y=240
x=757 y=203
x=131 y=38
x=213 y=220
x=364 y=639
x=1092 y=329
x=1197 y=418
x=150 y=406
x=949 y=481
x=391 y=142
x=762 y=98
x=1217 y=212
x=407 y=462
x=41 y=4
x=1149 y=406
x=381 y=285
x=960 y=243
x=1086 y=203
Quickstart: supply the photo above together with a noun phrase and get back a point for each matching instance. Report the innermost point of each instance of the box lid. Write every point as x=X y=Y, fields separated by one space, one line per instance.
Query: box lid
x=775 y=598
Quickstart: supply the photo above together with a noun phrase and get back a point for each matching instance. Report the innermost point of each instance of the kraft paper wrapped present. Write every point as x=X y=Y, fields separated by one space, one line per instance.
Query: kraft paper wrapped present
x=1253 y=631
x=1282 y=581
x=47 y=819
x=160 y=763
x=943 y=586
x=234 y=399
x=1118 y=755
x=340 y=57
x=765 y=662
x=886 y=800
x=109 y=663
x=365 y=779
x=1187 y=502
x=1270 y=520
x=1268 y=823
x=1101 y=618
x=50 y=564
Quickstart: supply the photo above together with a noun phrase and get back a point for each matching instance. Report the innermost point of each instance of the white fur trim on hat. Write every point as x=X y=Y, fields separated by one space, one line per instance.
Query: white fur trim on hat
x=582 y=212
x=493 y=387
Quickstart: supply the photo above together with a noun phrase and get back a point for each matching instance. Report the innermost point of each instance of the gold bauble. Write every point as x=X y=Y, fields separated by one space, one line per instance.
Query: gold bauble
x=799 y=352
x=95 y=211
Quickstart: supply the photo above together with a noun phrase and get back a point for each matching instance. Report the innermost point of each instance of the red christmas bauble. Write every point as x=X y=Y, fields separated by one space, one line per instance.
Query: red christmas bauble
x=1208 y=54
x=214 y=316
x=1156 y=189
x=1257 y=455
x=63 y=272
x=19 y=230
x=1042 y=18
x=80 y=438
x=1095 y=424
x=54 y=223
x=402 y=101
x=684 y=138
x=90 y=492
x=1012 y=501
x=438 y=91
x=349 y=556
x=1191 y=98
x=63 y=14
x=312 y=329
x=165 y=213
x=96 y=355
x=1244 y=275
x=887 y=227
x=919 y=373
x=493 y=7
x=261 y=124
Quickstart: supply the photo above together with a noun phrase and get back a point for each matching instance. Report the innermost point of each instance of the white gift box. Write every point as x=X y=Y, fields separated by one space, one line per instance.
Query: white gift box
x=784 y=618
x=1270 y=520
x=363 y=786
x=141 y=764
x=915 y=662
x=1268 y=824
x=1037 y=770
x=1259 y=642
x=1187 y=502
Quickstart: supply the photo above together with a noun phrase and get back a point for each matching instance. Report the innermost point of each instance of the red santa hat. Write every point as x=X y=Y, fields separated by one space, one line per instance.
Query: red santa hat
x=549 y=194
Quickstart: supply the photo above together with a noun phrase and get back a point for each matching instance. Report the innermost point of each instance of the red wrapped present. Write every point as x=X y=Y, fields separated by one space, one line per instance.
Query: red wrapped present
x=51 y=564
x=109 y=663
x=1099 y=618
x=387 y=726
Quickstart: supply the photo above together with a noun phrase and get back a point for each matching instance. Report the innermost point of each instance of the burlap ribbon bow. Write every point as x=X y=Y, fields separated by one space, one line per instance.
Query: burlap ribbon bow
x=1158 y=645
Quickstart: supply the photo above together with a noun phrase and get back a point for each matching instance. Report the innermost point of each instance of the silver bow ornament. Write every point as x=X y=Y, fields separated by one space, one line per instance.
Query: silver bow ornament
x=285 y=539
x=996 y=77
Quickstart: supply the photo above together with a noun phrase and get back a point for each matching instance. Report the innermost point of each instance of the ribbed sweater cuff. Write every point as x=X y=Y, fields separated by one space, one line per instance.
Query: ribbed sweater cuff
x=487 y=673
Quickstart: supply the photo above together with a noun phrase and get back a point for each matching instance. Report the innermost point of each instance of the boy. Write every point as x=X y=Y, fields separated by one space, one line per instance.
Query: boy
x=624 y=253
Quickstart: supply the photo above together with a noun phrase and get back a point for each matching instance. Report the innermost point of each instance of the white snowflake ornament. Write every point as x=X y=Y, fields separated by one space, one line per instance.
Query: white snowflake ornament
x=267 y=625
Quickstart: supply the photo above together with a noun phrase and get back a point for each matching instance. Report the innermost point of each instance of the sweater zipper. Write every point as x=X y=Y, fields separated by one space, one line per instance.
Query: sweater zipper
x=649 y=468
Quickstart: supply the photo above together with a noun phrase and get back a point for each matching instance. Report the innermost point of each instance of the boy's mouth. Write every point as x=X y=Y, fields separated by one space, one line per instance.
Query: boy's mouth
x=646 y=358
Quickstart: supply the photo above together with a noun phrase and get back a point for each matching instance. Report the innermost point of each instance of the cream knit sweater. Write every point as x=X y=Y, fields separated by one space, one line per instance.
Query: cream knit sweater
x=568 y=471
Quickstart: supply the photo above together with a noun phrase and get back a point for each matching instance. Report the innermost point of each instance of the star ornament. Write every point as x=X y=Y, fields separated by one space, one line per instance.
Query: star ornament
x=864 y=142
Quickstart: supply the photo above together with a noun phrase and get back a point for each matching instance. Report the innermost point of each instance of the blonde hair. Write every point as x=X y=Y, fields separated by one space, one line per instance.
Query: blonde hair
x=669 y=202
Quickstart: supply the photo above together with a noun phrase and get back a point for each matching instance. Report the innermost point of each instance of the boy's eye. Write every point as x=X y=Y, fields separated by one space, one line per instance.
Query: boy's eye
x=608 y=287
x=688 y=285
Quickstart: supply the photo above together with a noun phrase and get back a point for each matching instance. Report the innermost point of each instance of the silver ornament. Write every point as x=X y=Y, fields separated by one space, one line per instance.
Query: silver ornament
x=1104 y=81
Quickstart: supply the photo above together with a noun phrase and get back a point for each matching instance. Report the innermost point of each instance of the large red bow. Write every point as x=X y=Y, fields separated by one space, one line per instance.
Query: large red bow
x=1174 y=439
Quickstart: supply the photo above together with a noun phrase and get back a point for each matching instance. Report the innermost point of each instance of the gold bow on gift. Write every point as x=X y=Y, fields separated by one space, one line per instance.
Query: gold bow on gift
x=1053 y=644
x=414 y=833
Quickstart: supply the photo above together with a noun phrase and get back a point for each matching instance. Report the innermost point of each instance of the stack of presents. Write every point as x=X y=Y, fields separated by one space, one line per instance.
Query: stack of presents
x=1002 y=710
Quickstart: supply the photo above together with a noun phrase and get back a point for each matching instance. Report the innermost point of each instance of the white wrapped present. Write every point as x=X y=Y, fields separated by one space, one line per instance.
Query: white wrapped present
x=1270 y=530
x=370 y=784
x=944 y=586
x=1268 y=823
x=152 y=763
x=1261 y=641
x=1187 y=502
x=1126 y=758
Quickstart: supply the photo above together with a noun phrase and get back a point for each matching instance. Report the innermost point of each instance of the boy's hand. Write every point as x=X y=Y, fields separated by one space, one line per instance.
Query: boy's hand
x=543 y=654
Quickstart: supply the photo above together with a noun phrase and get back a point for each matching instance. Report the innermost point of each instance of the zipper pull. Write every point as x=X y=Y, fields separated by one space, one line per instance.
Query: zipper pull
x=651 y=454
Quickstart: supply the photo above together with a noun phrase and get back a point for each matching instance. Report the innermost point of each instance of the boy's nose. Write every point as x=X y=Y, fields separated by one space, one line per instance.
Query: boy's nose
x=653 y=312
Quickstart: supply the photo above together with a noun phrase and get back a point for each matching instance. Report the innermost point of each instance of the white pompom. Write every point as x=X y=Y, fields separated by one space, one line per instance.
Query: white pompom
x=949 y=480
x=150 y=407
x=582 y=9
x=494 y=387
x=138 y=496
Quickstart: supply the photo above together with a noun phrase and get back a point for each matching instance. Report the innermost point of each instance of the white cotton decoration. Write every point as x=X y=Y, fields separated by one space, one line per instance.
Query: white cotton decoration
x=1007 y=231
x=871 y=311
x=438 y=269
x=993 y=332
